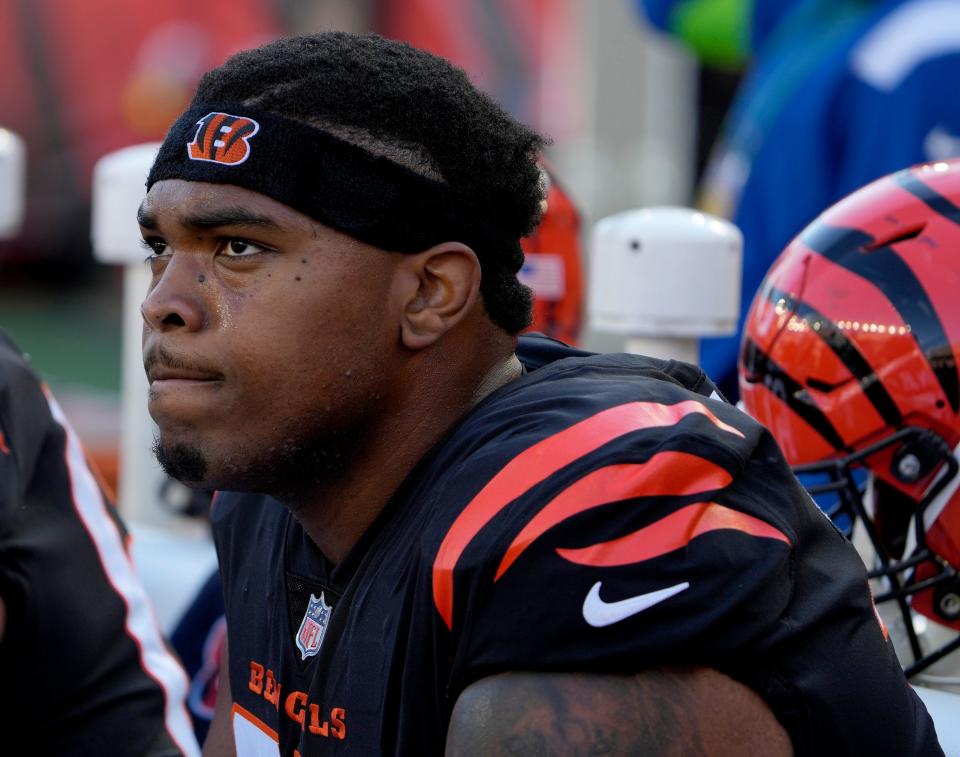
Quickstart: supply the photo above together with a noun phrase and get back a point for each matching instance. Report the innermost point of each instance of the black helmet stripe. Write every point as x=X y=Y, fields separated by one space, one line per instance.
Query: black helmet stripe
x=926 y=194
x=846 y=351
x=886 y=270
x=789 y=391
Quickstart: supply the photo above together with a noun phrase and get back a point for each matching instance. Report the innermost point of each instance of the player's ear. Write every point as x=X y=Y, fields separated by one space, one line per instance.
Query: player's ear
x=441 y=286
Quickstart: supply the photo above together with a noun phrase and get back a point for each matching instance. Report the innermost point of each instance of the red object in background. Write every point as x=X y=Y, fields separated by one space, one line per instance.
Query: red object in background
x=553 y=268
x=83 y=78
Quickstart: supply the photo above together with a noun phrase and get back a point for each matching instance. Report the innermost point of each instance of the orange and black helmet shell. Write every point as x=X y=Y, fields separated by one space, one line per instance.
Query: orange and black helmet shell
x=855 y=331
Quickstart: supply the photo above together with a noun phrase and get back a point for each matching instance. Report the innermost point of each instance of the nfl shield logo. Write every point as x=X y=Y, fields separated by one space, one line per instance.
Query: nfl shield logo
x=313 y=627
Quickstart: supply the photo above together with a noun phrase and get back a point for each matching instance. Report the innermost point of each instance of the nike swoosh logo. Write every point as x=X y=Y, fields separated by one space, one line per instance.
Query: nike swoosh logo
x=599 y=613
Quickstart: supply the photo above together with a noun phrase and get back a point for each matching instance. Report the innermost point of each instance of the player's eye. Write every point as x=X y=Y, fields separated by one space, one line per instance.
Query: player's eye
x=241 y=248
x=155 y=245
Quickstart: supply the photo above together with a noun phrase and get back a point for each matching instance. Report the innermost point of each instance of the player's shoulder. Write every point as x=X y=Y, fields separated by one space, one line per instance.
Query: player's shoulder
x=595 y=429
x=575 y=412
x=587 y=450
x=618 y=398
x=537 y=351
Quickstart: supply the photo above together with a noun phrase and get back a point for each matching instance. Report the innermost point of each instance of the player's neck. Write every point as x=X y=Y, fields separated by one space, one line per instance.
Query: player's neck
x=335 y=514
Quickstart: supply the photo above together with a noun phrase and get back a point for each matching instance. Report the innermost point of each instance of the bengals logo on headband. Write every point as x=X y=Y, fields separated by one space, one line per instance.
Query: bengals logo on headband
x=223 y=138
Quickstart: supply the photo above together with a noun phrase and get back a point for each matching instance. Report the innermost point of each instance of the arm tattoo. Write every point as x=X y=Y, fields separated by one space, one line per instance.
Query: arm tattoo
x=658 y=712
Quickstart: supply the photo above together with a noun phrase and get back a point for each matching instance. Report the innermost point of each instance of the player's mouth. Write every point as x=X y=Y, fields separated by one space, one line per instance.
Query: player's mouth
x=166 y=371
x=162 y=375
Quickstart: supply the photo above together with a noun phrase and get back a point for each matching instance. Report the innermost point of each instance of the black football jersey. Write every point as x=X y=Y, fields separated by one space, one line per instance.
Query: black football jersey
x=601 y=513
x=85 y=669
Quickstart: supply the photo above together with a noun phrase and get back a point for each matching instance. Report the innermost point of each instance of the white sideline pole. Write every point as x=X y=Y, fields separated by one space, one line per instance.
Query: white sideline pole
x=13 y=183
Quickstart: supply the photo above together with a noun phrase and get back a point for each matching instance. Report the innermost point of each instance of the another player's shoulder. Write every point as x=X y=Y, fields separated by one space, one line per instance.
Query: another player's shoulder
x=17 y=378
x=9 y=350
x=25 y=416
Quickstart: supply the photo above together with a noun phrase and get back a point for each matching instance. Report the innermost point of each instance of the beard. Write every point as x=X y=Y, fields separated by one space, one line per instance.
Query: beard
x=284 y=471
x=285 y=452
x=184 y=462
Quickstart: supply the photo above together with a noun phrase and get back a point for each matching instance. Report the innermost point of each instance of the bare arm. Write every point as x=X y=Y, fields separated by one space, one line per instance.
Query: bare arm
x=219 y=741
x=693 y=711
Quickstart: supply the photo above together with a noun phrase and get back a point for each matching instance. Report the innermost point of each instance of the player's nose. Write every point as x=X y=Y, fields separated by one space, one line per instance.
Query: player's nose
x=178 y=299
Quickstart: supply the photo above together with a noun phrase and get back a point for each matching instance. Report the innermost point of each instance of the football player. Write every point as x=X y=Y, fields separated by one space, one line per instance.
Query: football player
x=430 y=538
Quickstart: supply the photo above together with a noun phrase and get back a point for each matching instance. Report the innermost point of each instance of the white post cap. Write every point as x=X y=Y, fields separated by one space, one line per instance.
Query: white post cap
x=13 y=183
x=665 y=272
x=119 y=180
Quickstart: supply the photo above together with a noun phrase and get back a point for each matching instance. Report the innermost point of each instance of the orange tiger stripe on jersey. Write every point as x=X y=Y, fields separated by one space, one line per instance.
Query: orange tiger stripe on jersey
x=540 y=461
x=665 y=474
x=670 y=533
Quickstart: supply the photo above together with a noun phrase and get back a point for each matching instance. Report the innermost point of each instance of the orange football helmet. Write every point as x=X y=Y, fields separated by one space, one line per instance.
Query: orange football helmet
x=849 y=357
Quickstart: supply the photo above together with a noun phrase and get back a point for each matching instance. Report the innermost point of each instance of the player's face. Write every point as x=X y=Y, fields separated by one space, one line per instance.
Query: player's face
x=267 y=338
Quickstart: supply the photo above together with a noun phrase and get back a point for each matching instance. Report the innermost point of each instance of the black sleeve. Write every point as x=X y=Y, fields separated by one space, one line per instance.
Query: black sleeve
x=704 y=549
x=25 y=425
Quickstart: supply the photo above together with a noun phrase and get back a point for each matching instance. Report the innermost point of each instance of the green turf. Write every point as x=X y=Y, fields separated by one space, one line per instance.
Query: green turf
x=72 y=335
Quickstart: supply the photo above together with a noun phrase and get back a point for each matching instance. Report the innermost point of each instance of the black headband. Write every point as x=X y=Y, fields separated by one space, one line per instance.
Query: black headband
x=343 y=186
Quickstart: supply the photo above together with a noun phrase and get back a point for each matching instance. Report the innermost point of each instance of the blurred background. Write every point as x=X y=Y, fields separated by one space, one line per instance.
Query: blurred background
x=83 y=78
